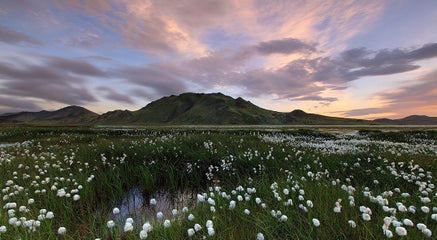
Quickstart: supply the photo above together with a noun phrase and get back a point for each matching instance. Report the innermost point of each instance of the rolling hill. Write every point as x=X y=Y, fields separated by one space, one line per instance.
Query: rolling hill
x=213 y=109
x=410 y=120
x=195 y=109
x=65 y=116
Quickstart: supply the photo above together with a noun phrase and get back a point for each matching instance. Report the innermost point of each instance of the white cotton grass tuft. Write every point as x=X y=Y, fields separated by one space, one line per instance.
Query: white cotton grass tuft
x=260 y=236
x=190 y=217
x=427 y=232
x=3 y=229
x=211 y=231
x=110 y=224
x=167 y=223
x=152 y=201
x=116 y=211
x=128 y=227
x=401 y=231
x=147 y=226
x=232 y=205
x=143 y=234
x=352 y=223
x=190 y=232
x=62 y=230
x=316 y=222
x=408 y=222
x=197 y=227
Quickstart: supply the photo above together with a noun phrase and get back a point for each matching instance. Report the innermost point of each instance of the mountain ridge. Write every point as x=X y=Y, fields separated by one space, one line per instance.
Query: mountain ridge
x=194 y=109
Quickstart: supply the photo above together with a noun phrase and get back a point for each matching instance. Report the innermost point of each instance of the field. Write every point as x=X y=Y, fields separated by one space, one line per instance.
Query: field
x=68 y=183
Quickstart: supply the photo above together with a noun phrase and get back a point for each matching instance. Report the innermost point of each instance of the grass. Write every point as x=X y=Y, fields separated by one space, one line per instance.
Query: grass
x=310 y=169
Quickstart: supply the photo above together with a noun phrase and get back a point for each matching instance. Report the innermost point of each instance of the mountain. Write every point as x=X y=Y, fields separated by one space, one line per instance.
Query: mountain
x=213 y=109
x=195 y=109
x=68 y=115
x=410 y=120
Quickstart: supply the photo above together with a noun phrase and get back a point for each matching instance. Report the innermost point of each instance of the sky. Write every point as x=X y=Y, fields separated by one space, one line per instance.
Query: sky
x=359 y=59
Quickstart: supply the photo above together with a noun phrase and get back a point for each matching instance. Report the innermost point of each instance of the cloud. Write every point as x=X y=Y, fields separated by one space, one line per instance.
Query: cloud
x=55 y=79
x=11 y=36
x=10 y=104
x=113 y=95
x=418 y=98
x=160 y=78
x=78 y=67
x=284 y=46
x=423 y=93
x=362 y=111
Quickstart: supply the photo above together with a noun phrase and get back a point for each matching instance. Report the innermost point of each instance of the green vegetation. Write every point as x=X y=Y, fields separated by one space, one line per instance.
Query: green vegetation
x=244 y=184
x=184 y=109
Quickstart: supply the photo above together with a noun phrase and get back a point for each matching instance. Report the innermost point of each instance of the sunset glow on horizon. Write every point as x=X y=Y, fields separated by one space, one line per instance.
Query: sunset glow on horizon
x=359 y=59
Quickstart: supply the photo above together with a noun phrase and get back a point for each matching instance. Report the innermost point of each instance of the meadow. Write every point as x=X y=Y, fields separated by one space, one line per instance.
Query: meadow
x=80 y=183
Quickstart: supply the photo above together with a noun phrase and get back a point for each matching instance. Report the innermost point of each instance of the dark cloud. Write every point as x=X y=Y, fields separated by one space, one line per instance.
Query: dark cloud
x=418 y=98
x=11 y=104
x=284 y=46
x=362 y=112
x=113 y=95
x=11 y=36
x=78 y=67
x=161 y=79
x=421 y=93
x=56 y=79
x=315 y=98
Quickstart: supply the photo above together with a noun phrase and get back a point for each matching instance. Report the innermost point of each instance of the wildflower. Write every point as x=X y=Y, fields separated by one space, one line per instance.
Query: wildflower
x=209 y=224
x=128 y=227
x=50 y=215
x=366 y=217
x=408 y=222
x=283 y=218
x=190 y=232
x=166 y=223
x=316 y=222
x=352 y=223
x=76 y=197
x=231 y=205
x=427 y=232
x=147 y=227
x=260 y=236
x=2 y=229
x=401 y=231
x=388 y=233
x=110 y=224
x=200 y=198
x=191 y=217
x=197 y=227
x=424 y=209
x=143 y=234
x=421 y=226
x=30 y=201
x=62 y=230
x=174 y=212
x=115 y=211
x=211 y=231
x=211 y=201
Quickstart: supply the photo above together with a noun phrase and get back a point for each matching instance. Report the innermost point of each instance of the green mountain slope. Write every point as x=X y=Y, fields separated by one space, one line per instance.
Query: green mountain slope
x=68 y=115
x=410 y=120
x=213 y=109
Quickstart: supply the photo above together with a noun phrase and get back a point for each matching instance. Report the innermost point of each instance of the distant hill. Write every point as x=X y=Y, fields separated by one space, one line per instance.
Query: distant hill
x=195 y=109
x=213 y=108
x=63 y=116
x=410 y=120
